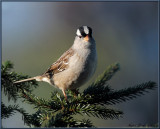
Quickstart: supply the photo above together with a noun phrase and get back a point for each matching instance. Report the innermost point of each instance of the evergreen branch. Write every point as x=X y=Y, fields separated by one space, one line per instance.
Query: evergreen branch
x=77 y=123
x=39 y=102
x=36 y=118
x=85 y=123
x=76 y=105
x=103 y=96
x=107 y=74
x=6 y=66
x=129 y=93
x=7 y=79
x=30 y=120
x=25 y=116
x=104 y=113
x=7 y=111
x=57 y=120
x=98 y=94
x=88 y=109
x=58 y=112
x=98 y=85
x=63 y=120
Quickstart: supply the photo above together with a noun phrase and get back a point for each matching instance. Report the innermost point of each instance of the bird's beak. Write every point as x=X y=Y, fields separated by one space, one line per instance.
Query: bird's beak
x=86 y=38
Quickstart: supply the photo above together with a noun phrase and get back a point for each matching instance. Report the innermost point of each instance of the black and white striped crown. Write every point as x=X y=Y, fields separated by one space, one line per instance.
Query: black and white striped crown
x=83 y=31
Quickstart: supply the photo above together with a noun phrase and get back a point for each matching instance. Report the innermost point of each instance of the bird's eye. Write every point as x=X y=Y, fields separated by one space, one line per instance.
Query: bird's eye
x=80 y=36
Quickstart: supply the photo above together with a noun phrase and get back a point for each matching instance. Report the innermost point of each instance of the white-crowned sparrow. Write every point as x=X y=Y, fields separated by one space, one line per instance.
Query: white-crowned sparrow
x=75 y=66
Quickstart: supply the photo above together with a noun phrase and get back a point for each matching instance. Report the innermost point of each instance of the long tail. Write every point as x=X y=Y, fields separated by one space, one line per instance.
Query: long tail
x=37 y=78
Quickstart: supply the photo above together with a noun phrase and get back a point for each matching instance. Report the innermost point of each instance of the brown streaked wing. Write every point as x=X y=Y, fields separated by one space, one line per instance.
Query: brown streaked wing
x=61 y=64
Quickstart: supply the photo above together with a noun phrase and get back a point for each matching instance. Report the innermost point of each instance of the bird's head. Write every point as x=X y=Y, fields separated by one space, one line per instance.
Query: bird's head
x=84 y=32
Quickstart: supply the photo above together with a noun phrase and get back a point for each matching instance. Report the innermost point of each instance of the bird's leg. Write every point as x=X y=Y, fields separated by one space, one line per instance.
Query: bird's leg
x=64 y=94
x=65 y=98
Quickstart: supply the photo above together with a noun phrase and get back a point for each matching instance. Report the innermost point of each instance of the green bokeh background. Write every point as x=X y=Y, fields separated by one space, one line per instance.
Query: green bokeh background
x=35 y=34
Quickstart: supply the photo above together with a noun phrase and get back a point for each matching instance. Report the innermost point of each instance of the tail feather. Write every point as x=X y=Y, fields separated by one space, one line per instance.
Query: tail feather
x=29 y=79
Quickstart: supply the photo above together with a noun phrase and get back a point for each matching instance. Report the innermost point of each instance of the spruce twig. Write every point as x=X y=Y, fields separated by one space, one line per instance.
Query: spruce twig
x=56 y=112
x=7 y=79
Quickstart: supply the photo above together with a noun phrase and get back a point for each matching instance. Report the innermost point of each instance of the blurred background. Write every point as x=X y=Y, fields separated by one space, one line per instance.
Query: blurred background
x=35 y=34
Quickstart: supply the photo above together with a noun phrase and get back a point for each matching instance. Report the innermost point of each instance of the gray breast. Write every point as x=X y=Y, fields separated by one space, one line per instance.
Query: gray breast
x=88 y=70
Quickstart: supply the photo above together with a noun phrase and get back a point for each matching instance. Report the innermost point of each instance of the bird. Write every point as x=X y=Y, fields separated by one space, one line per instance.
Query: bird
x=75 y=67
